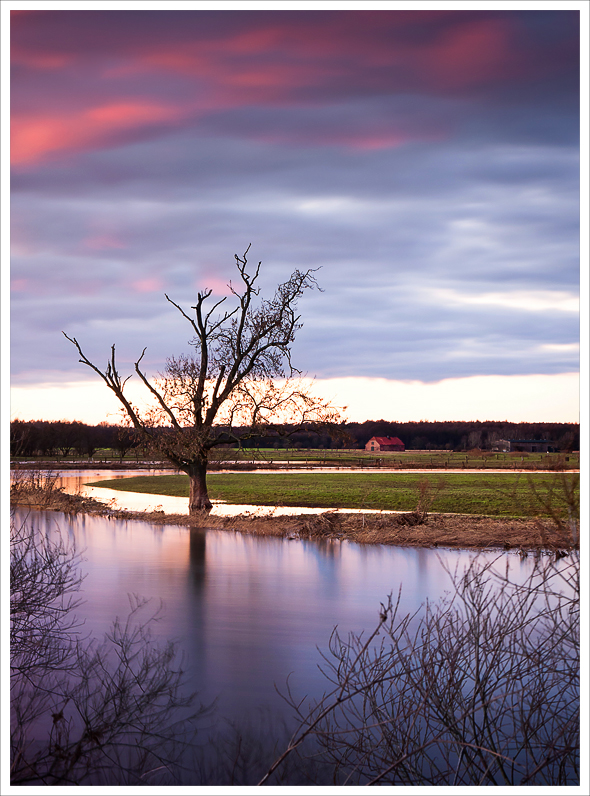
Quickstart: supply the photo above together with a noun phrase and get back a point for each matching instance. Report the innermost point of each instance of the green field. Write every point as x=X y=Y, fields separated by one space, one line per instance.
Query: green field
x=498 y=494
x=468 y=460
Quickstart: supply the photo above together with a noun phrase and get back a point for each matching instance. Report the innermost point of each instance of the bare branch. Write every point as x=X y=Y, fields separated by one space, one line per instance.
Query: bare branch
x=155 y=393
x=113 y=381
x=480 y=688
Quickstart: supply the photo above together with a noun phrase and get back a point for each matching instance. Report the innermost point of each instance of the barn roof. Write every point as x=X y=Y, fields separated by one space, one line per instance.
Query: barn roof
x=388 y=440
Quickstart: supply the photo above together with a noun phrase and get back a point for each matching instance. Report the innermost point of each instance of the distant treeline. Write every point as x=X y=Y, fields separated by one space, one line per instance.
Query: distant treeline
x=63 y=438
x=466 y=435
x=452 y=435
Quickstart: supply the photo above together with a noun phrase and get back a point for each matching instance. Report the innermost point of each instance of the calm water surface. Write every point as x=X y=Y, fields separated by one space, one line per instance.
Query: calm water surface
x=247 y=611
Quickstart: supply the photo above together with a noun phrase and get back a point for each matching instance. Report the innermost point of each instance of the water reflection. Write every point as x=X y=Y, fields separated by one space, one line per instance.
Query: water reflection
x=247 y=610
x=197 y=542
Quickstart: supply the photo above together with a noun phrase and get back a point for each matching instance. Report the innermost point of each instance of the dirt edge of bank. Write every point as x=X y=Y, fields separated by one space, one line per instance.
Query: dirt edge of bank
x=411 y=529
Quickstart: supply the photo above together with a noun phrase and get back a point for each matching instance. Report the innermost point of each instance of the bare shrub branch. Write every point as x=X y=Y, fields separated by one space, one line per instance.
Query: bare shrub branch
x=84 y=712
x=481 y=688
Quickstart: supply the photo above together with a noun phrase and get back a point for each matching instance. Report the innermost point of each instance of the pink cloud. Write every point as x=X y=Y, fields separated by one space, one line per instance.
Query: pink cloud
x=19 y=285
x=276 y=61
x=469 y=54
x=367 y=140
x=354 y=140
x=34 y=137
x=148 y=285
x=374 y=142
x=214 y=283
x=39 y=60
x=98 y=242
x=265 y=60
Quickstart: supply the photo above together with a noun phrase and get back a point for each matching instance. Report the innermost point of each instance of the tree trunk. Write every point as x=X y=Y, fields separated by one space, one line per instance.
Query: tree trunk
x=198 y=499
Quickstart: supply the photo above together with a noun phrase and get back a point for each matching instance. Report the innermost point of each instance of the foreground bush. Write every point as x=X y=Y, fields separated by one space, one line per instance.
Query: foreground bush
x=481 y=688
x=84 y=712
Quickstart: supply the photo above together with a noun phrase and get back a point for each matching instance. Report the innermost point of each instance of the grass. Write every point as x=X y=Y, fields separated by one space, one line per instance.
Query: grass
x=424 y=459
x=474 y=459
x=504 y=495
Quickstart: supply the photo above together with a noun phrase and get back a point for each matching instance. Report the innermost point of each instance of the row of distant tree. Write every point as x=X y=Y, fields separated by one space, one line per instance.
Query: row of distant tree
x=466 y=435
x=63 y=438
x=421 y=435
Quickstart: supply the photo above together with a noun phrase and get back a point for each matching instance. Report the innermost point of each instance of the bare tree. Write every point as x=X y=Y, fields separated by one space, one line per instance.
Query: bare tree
x=237 y=383
x=124 y=440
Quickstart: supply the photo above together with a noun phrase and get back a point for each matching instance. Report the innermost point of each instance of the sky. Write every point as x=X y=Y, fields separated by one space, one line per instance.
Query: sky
x=426 y=161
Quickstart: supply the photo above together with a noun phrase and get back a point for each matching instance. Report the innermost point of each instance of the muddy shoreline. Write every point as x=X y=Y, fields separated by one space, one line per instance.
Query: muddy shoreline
x=411 y=529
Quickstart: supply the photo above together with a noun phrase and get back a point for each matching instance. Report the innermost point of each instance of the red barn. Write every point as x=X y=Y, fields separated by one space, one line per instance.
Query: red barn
x=385 y=444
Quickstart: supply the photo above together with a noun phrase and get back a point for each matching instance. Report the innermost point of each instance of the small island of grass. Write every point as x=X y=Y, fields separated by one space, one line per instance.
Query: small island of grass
x=493 y=494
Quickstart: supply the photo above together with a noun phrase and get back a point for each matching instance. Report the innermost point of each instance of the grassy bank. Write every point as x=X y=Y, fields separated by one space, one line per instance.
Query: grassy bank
x=498 y=494
x=556 y=532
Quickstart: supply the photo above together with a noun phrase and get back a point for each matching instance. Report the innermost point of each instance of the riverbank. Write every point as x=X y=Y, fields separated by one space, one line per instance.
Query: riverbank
x=406 y=529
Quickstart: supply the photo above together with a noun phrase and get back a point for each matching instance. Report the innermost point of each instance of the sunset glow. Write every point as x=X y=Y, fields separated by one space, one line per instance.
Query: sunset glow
x=517 y=399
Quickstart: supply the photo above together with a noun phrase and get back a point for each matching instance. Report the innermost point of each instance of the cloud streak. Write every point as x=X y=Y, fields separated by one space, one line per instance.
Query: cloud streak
x=426 y=161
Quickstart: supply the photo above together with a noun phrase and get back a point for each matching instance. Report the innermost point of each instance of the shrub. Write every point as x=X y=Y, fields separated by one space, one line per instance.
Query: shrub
x=84 y=712
x=481 y=688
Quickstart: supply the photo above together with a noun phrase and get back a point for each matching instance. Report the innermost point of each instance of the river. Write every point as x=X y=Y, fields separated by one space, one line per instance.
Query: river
x=248 y=612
